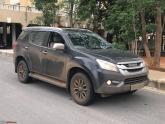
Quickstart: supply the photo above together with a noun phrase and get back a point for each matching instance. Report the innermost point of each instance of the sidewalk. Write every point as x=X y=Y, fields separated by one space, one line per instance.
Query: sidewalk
x=7 y=52
x=157 y=78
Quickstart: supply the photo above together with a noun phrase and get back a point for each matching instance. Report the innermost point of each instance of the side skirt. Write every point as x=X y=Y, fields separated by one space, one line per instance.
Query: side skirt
x=47 y=79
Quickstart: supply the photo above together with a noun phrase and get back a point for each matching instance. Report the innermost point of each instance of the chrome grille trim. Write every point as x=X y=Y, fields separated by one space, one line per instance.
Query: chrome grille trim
x=137 y=68
x=130 y=62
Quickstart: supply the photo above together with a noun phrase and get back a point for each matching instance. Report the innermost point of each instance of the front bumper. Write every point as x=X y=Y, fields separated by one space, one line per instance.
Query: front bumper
x=106 y=89
x=124 y=83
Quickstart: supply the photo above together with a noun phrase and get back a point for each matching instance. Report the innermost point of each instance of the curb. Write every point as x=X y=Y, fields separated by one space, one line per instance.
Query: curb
x=6 y=53
x=159 y=84
x=159 y=69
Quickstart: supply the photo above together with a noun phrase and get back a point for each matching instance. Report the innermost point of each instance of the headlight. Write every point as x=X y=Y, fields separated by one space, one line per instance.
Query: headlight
x=107 y=65
x=145 y=65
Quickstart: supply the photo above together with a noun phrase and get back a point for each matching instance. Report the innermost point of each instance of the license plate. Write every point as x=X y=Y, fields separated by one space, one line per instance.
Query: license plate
x=137 y=86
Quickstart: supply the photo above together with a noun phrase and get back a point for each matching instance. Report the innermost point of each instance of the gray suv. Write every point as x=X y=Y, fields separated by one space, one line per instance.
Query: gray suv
x=78 y=60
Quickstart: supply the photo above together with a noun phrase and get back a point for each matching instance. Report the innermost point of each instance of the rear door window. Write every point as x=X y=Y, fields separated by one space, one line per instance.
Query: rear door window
x=39 y=37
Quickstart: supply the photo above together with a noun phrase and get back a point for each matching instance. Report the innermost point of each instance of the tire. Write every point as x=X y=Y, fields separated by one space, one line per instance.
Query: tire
x=131 y=92
x=81 y=89
x=23 y=72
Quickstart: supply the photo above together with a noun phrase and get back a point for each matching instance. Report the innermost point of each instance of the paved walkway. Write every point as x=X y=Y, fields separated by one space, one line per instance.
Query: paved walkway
x=8 y=52
x=156 y=75
x=157 y=79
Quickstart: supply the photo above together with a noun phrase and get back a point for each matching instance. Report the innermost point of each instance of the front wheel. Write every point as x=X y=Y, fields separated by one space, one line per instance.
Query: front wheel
x=23 y=72
x=81 y=89
x=131 y=92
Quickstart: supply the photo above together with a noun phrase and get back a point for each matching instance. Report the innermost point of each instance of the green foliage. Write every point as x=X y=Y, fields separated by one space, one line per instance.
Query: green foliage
x=70 y=7
x=93 y=11
x=86 y=9
x=120 y=45
x=66 y=4
x=124 y=21
x=38 y=20
x=120 y=19
x=48 y=8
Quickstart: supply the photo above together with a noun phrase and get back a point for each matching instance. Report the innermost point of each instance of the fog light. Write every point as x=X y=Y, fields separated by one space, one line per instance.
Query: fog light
x=109 y=82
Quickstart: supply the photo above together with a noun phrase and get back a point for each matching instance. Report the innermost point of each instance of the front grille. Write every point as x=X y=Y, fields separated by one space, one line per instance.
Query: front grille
x=132 y=64
x=131 y=68
x=134 y=70
x=135 y=80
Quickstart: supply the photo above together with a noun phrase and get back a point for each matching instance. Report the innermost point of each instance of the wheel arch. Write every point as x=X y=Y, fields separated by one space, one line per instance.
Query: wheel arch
x=75 y=70
x=18 y=59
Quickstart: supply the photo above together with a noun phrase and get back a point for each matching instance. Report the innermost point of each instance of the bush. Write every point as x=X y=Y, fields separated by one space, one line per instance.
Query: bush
x=120 y=46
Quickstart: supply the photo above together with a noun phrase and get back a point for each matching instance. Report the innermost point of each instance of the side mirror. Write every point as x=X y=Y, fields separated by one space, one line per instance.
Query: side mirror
x=58 y=46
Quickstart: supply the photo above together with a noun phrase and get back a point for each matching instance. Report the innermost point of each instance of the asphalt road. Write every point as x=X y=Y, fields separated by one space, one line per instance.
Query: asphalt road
x=42 y=103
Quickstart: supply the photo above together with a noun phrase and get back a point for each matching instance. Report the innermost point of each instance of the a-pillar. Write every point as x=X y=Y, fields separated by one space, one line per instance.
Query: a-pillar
x=4 y=34
x=13 y=33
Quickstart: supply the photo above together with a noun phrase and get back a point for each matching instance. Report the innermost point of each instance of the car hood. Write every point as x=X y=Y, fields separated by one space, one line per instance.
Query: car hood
x=112 y=54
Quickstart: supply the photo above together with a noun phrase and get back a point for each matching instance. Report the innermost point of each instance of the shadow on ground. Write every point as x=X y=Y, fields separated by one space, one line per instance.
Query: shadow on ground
x=139 y=98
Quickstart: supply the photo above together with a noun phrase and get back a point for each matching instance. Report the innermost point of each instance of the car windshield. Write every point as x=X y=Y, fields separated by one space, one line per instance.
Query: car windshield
x=87 y=40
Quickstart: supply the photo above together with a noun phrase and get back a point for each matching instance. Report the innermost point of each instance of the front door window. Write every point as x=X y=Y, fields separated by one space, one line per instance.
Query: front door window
x=55 y=38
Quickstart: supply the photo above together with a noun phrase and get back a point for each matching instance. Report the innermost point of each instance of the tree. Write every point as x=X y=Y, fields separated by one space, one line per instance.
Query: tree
x=141 y=8
x=71 y=3
x=120 y=20
x=159 y=29
x=48 y=8
x=70 y=7
x=158 y=6
x=124 y=16
x=93 y=11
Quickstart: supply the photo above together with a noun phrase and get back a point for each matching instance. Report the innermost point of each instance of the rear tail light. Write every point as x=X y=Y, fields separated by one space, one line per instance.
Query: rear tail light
x=14 y=44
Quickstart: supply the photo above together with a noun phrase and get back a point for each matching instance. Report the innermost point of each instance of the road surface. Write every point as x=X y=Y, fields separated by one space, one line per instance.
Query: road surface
x=42 y=103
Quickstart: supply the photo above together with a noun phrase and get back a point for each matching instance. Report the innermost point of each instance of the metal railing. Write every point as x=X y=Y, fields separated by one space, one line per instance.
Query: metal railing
x=18 y=8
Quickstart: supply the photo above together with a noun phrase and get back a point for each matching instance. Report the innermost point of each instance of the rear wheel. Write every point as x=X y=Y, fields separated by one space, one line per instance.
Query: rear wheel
x=23 y=72
x=81 y=89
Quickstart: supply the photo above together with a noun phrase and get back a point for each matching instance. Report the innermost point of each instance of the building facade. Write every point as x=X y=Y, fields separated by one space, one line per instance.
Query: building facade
x=14 y=15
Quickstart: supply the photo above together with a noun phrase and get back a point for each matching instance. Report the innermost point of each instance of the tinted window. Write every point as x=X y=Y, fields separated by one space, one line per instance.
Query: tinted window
x=55 y=38
x=39 y=37
x=23 y=36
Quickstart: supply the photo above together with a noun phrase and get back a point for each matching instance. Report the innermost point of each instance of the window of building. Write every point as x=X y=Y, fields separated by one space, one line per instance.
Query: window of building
x=14 y=2
x=8 y=30
x=1 y=30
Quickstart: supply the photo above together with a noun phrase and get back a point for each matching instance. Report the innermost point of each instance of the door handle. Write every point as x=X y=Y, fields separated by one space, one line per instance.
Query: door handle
x=44 y=52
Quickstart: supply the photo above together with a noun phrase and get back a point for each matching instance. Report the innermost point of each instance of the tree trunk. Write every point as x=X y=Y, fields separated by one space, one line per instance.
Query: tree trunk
x=163 y=24
x=71 y=13
x=158 y=40
x=145 y=39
